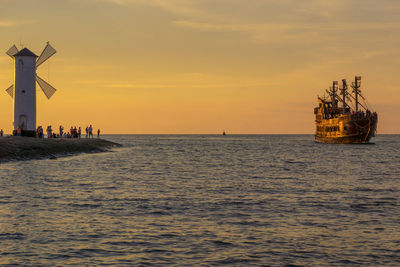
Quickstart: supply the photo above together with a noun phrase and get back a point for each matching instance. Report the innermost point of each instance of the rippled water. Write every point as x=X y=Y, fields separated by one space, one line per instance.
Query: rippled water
x=188 y=200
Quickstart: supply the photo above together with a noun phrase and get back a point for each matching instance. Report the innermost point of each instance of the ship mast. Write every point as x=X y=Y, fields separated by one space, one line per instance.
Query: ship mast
x=356 y=89
x=344 y=93
x=334 y=95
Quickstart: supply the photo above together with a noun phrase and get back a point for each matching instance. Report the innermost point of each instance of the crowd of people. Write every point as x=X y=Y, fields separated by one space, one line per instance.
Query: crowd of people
x=74 y=132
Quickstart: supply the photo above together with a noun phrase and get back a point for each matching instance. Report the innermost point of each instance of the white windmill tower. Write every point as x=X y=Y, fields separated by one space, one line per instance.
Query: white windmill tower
x=23 y=91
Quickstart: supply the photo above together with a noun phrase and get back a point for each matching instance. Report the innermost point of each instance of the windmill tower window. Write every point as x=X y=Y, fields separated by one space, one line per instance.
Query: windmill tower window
x=21 y=64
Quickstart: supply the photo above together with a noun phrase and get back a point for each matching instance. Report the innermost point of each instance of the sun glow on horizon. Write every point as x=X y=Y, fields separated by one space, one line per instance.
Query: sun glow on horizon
x=173 y=66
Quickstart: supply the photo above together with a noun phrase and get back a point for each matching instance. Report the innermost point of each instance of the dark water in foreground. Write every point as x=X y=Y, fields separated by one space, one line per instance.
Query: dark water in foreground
x=212 y=200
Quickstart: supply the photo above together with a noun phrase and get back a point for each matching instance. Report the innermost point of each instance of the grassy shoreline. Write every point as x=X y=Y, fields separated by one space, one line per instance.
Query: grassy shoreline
x=14 y=148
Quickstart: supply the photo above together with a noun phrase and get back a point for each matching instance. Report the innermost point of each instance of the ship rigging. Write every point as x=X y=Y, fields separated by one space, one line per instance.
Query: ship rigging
x=342 y=118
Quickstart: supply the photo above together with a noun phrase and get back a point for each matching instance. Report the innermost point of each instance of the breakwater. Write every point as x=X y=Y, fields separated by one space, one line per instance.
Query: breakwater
x=24 y=148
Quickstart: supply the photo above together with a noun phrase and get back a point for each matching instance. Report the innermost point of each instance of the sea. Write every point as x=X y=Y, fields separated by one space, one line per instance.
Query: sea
x=206 y=200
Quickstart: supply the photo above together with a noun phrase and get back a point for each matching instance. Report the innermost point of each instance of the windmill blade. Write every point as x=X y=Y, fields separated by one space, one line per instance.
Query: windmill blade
x=12 y=51
x=47 y=89
x=47 y=52
x=10 y=91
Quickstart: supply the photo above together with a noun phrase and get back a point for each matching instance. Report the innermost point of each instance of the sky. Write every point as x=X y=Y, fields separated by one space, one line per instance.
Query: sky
x=202 y=66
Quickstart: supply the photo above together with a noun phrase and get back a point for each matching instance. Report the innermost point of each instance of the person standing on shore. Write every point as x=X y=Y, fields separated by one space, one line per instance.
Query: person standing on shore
x=90 y=131
x=87 y=130
x=49 y=132
x=98 y=133
x=79 y=133
x=19 y=131
x=1 y=132
x=61 y=131
x=39 y=132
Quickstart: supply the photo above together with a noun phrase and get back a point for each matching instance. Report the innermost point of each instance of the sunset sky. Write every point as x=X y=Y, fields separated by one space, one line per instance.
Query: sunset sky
x=201 y=66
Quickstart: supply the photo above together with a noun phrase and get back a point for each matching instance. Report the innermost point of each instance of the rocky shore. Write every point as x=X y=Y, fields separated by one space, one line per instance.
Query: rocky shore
x=25 y=148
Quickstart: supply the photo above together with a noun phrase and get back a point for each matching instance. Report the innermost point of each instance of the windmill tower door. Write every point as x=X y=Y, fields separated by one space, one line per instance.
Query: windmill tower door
x=22 y=122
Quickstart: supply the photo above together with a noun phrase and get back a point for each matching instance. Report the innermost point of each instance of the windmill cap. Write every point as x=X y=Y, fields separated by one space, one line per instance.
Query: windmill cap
x=25 y=53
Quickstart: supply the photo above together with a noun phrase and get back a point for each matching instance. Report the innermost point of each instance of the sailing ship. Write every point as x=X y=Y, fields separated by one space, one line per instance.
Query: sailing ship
x=344 y=117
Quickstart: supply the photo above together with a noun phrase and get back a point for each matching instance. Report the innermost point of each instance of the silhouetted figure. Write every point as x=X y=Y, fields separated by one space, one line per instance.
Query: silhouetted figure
x=39 y=132
x=49 y=132
x=98 y=133
x=1 y=132
x=90 y=131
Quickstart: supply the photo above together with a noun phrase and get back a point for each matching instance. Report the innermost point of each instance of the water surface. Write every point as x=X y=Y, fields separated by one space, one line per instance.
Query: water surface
x=206 y=199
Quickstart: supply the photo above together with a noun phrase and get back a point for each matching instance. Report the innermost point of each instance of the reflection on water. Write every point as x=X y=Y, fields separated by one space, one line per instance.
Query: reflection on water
x=187 y=200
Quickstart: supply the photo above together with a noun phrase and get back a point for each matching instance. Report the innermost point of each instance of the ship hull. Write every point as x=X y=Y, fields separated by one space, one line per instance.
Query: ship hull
x=357 y=139
x=357 y=131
